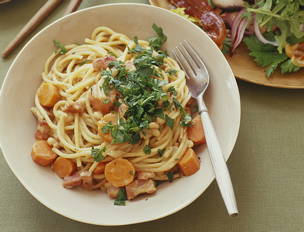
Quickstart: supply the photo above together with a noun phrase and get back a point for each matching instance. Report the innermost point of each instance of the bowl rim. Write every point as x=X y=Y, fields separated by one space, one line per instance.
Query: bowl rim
x=55 y=209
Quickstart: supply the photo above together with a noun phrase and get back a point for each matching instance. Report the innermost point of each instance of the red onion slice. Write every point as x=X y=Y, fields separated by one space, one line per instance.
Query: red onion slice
x=260 y=36
x=240 y=33
x=235 y=24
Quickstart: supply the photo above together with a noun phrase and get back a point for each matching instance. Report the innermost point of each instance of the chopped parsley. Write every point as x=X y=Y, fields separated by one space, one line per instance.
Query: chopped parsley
x=172 y=90
x=97 y=154
x=147 y=149
x=170 y=176
x=161 y=152
x=159 y=40
x=169 y=121
x=106 y=101
x=172 y=71
x=186 y=118
x=121 y=197
x=141 y=90
x=61 y=48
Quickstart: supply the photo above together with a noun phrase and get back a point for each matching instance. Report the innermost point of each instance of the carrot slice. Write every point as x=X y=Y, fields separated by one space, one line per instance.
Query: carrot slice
x=196 y=131
x=42 y=153
x=48 y=94
x=189 y=164
x=104 y=121
x=119 y=172
x=64 y=167
x=99 y=168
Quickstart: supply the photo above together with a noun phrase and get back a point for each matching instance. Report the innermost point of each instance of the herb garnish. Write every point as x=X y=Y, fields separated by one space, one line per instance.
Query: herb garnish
x=97 y=154
x=170 y=176
x=267 y=56
x=147 y=149
x=161 y=152
x=121 y=197
x=141 y=90
x=169 y=121
x=61 y=48
x=157 y=42
x=172 y=71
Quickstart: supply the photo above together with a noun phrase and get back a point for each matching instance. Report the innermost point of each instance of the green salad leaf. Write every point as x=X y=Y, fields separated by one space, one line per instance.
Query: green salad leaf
x=268 y=56
x=285 y=18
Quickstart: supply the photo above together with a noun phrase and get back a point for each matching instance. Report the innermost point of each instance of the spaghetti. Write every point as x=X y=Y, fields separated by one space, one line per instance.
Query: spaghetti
x=113 y=113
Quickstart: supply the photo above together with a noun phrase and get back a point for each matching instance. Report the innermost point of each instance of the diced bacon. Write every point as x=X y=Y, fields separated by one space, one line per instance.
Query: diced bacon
x=112 y=191
x=75 y=107
x=102 y=63
x=145 y=175
x=87 y=182
x=103 y=104
x=139 y=187
x=72 y=181
x=43 y=131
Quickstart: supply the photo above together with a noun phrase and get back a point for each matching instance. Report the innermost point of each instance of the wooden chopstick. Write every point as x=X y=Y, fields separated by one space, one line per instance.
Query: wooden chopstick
x=73 y=6
x=42 y=13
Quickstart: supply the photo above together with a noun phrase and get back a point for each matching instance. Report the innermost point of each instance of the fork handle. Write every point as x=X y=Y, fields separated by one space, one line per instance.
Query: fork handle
x=218 y=162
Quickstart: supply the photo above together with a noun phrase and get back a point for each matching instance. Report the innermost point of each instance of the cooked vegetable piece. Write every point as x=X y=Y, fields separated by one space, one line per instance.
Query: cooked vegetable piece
x=48 y=94
x=64 y=167
x=99 y=168
x=119 y=172
x=296 y=53
x=42 y=153
x=72 y=181
x=103 y=122
x=195 y=132
x=138 y=187
x=189 y=164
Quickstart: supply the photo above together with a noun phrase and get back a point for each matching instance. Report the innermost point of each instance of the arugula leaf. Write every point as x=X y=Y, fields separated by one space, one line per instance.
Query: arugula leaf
x=265 y=55
x=97 y=154
x=121 y=197
x=159 y=40
x=62 y=50
x=288 y=67
x=287 y=16
x=147 y=149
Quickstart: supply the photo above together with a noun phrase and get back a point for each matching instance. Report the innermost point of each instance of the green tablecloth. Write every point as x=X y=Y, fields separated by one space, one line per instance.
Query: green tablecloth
x=267 y=164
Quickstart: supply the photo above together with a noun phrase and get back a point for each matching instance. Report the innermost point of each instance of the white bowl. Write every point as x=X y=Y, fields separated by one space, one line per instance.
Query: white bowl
x=17 y=125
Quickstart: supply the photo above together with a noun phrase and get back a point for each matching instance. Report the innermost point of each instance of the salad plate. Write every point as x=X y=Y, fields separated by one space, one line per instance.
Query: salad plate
x=243 y=65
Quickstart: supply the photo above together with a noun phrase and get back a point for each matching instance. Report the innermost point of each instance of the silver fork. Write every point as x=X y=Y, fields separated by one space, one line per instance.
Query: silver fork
x=197 y=82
